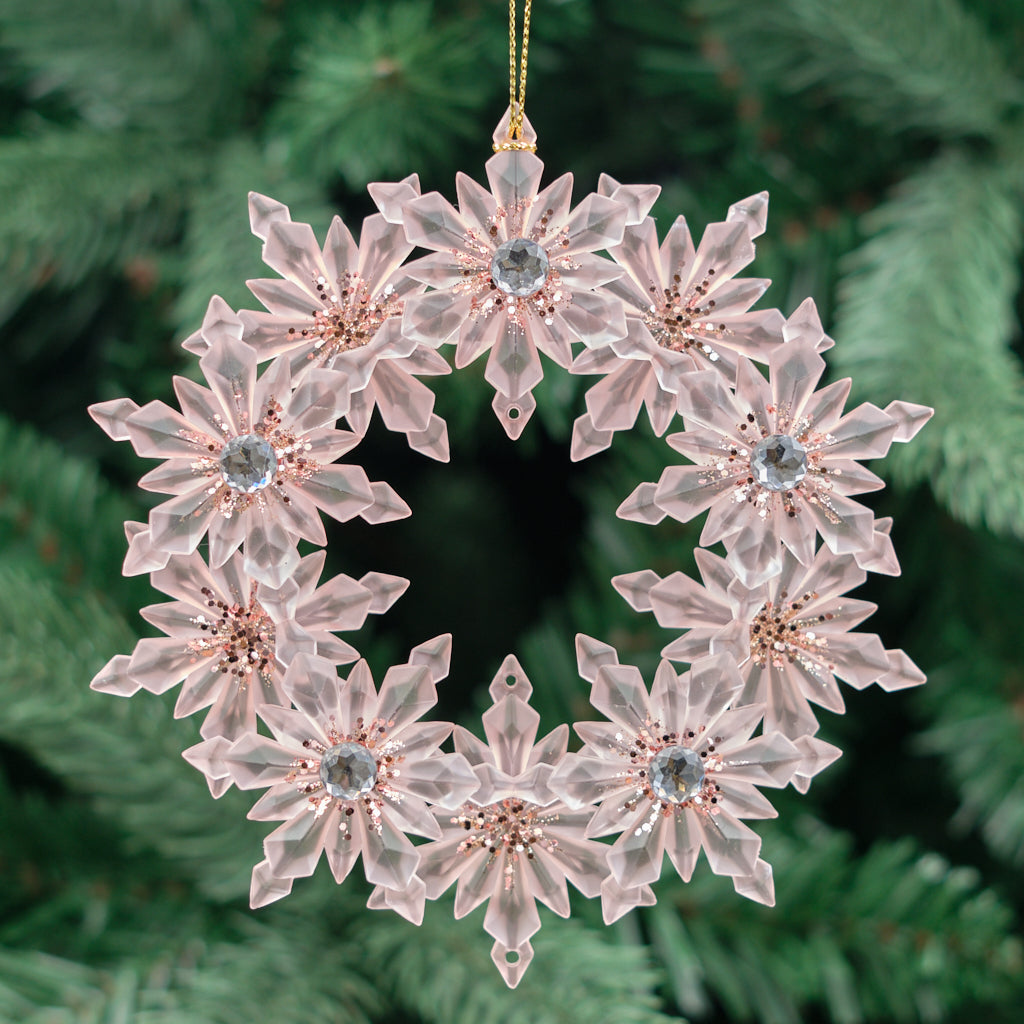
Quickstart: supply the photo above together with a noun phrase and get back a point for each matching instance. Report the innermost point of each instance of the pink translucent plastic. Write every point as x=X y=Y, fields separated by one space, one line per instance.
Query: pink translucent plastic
x=513 y=767
x=695 y=709
x=721 y=613
x=351 y=327
x=294 y=414
x=685 y=311
x=325 y=710
x=299 y=617
x=724 y=426
x=466 y=309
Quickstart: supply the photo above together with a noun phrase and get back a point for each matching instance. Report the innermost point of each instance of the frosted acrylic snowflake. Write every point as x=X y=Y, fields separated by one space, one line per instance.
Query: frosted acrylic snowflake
x=677 y=769
x=514 y=272
x=685 y=311
x=349 y=771
x=791 y=636
x=515 y=843
x=251 y=460
x=248 y=459
x=775 y=464
x=230 y=637
x=340 y=308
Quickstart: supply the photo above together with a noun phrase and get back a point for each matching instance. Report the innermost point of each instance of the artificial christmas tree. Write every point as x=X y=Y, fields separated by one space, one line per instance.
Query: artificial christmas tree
x=127 y=176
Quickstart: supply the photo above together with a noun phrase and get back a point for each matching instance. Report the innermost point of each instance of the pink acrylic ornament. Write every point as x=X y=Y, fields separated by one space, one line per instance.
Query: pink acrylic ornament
x=514 y=843
x=685 y=311
x=675 y=770
x=142 y=556
x=791 y=636
x=514 y=272
x=230 y=638
x=248 y=459
x=340 y=308
x=350 y=771
x=774 y=464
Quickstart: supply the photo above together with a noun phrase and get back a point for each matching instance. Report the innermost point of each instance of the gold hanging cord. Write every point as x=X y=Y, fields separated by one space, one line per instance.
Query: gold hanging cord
x=516 y=103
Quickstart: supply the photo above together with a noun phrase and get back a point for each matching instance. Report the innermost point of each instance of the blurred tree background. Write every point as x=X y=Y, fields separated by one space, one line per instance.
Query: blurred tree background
x=891 y=138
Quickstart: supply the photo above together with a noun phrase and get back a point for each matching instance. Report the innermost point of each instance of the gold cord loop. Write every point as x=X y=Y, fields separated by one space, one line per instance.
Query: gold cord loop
x=517 y=100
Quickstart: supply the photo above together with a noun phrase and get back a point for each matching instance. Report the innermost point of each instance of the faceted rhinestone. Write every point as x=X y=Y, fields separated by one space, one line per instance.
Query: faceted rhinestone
x=519 y=267
x=677 y=774
x=248 y=463
x=348 y=770
x=778 y=462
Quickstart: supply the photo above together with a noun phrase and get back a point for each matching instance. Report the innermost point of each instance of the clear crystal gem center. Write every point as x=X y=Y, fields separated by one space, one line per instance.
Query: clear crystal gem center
x=519 y=267
x=676 y=774
x=348 y=770
x=778 y=462
x=248 y=463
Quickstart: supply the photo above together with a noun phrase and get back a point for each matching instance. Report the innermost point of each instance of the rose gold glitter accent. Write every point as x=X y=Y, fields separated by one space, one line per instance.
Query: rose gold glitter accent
x=349 y=319
x=241 y=636
x=510 y=828
x=293 y=464
x=373 y=735
x=779 y=634
x=680 y=323
x=474 y=261
x=734 y=463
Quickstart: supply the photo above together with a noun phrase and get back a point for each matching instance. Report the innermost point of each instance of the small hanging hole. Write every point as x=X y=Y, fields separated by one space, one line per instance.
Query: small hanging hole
x=511 y=956
x=510 y=681
x=513 y=412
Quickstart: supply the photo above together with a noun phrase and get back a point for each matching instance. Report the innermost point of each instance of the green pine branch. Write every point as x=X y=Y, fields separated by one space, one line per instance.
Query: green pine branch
x=386 y=91
x=86 y=201
x=970 y=712
x=926 y=313
x=261 y=972
x=38 y=871
x=891 y=934
x=171 y=67
x=976 y=728
x=924 y=65
x=444 y=973
x=60 y=518
x=121 y=753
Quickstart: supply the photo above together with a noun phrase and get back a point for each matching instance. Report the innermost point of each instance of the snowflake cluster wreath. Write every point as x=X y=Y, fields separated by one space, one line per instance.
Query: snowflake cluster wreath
x=249 y=461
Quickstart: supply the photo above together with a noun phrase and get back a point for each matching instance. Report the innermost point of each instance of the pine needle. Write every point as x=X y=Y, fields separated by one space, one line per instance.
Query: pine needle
x=927 y=312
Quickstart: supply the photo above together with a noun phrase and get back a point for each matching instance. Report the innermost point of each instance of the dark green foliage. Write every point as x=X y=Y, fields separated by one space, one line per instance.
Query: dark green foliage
x=891 y=934
x=386 y=74
x=58 y=517
x=170 y=66
x=447 y=977
x=928 y=66
x=936 y=265
x=890 y=137
x=87 y=201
